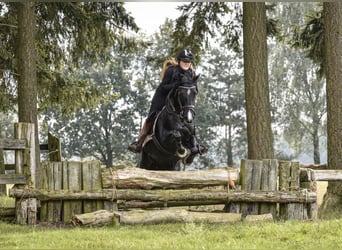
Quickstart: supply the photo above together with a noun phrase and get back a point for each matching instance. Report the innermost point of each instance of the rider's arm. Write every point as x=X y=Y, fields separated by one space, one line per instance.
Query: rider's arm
x=168 y=80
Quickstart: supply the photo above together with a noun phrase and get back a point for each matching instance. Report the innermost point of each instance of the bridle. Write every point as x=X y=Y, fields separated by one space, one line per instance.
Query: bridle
x=183 y=108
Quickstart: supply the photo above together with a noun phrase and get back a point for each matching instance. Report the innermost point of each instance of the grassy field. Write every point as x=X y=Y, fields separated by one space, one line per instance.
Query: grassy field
x=237 y=235
x=240 y=235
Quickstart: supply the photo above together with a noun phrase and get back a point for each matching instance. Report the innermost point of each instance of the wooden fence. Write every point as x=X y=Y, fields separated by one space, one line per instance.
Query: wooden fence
x=284 y=189
x=24 y=172
x=263 y=187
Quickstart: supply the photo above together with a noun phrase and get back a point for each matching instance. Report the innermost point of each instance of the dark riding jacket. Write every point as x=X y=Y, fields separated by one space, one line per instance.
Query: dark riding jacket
x=168 y=82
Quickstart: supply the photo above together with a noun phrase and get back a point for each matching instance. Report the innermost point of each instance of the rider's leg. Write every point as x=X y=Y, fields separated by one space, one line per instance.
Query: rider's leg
x=137 y=146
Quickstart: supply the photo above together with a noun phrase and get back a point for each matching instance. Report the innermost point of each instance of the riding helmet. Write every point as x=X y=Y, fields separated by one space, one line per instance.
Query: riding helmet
x=185 y=55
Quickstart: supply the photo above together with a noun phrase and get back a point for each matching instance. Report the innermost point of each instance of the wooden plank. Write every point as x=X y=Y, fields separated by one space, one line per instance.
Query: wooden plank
x=43 y=215
x=250 y=173
x=269 y=179
x=12 y=144
x=55 y=183
x=2 y=170
x=289 y=180
x=91 y=179
x=327 y=175
x=72 y=181
x=25 y=160
x=12 y=179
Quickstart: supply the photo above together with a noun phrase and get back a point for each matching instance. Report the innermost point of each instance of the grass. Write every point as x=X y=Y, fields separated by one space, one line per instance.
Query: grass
x=241 y=235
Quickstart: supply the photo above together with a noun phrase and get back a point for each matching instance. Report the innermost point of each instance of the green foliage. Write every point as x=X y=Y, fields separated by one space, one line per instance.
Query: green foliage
x=102 y=131
x=67 y=34
x=310 y=37
x=240 y=235
x=221 y=108
x=297 y=94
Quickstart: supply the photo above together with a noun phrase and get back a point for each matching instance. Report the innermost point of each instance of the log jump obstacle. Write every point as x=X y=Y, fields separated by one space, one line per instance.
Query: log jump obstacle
x=66 y=189
x=75 y=188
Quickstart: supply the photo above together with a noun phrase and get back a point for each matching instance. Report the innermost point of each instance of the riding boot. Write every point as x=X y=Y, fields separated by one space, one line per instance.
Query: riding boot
x=136 y=147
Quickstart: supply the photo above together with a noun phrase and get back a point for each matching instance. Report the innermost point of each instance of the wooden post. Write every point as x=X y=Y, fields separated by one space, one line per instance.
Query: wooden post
x=250 y=173
x=72 y=181
x=91 y=178
x=2 y=170
x=269 y=179
x=25 y=161
x=289 y=180
x=54 y=146
x=309 y=184
x=51 y=180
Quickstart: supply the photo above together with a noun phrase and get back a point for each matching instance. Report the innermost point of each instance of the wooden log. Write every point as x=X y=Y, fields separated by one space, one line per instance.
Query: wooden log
x=94 y=219
x=259 y=217
x=72 y=181
x=137 y=178
x=21 y=211
x=32 y=210
x=183 y=195
x=91 y=176
x=144 y=217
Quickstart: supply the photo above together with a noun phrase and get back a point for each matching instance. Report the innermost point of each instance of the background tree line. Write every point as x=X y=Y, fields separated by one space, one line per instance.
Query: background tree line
x=93 y=76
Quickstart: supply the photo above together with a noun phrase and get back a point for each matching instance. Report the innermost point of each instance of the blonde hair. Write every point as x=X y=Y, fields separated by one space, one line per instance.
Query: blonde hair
x=167 y=63
x=171 y=62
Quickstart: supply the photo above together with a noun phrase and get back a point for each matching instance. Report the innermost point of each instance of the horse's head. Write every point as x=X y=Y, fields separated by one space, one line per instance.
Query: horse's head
x=184 y=96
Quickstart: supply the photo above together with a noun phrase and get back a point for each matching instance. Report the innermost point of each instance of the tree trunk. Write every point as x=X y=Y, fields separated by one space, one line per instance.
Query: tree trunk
x=259 y=131
x=27 y=80
x=332 y=14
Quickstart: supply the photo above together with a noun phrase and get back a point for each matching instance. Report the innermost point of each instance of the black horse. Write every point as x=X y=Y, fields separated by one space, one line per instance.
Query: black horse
x=173 y=138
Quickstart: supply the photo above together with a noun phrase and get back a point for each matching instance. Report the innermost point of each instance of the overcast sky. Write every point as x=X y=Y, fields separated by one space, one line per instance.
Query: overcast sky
x=150 y=15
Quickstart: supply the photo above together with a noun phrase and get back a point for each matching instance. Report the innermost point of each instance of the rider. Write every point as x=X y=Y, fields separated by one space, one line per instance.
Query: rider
x=174 y=69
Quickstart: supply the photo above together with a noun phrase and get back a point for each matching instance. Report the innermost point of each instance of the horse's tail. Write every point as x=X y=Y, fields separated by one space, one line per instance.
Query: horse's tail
x=167 y=63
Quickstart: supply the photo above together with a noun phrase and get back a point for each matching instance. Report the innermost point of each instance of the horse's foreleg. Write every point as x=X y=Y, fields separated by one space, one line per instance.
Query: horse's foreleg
x=181 y=150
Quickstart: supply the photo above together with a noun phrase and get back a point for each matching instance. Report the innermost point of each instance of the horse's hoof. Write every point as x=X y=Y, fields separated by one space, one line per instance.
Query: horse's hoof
x=202 y=149
x=189 y=159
